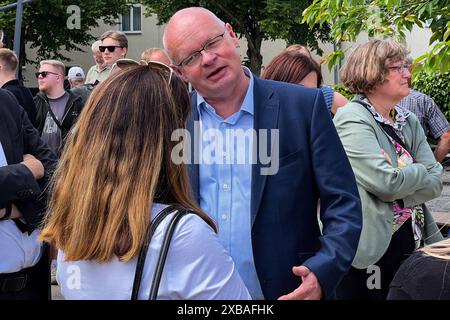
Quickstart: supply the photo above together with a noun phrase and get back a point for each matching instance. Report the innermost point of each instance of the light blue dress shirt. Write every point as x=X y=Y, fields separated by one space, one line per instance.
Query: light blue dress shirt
x=225 y=176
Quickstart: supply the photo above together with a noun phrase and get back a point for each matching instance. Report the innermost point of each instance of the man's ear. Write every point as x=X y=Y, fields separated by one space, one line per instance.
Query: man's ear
x=229 y=30
x=178 y=72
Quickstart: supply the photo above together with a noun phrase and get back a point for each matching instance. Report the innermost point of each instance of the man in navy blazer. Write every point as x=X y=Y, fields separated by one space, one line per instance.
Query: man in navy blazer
x=267 y=219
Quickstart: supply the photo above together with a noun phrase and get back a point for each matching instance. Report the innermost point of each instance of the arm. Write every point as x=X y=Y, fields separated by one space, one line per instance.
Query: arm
x=443 y=147
x=341 y=214
x=15 y=213
x=34 y=209
x=438 y=126
x=20 y=182
x=423 y=154
x=338 y=101
x=372 y=170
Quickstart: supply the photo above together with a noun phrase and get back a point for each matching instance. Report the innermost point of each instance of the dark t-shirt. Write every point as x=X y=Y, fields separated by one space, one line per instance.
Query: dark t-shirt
x=51 y=133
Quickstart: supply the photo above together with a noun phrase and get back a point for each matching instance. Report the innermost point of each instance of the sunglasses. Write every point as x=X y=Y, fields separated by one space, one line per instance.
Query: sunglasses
x=122 y=64
x=110 y=48
x=44 y=74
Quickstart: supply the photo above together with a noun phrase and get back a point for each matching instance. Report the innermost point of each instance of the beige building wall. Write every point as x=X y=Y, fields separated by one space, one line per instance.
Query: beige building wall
x=151 y=36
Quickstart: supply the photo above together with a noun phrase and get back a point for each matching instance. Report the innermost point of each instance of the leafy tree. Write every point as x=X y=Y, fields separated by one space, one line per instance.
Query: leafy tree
x=254 y=20
x=45 y=25
x=348 y=18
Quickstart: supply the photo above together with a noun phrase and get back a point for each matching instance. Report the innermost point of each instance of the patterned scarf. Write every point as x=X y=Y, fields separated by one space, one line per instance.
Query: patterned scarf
x=404 y=158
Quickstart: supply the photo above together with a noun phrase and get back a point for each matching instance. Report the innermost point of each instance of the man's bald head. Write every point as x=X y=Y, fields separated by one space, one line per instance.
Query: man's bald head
x=187 y=18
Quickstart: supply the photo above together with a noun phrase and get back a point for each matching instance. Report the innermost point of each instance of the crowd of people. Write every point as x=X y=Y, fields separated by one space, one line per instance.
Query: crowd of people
x=299 y=193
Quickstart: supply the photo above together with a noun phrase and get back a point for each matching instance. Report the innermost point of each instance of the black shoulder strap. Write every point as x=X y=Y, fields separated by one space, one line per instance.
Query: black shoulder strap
x=164 y=249
x=387 y=128
x=163 y=254
x=52 y=114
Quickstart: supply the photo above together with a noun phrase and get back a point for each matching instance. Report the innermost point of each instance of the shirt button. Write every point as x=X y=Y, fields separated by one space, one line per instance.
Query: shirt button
x=224 y=217
x=226 y=186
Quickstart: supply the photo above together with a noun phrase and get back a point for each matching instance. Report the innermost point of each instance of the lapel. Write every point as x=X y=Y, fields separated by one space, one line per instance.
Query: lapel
x=266 y=110
x=193 y=169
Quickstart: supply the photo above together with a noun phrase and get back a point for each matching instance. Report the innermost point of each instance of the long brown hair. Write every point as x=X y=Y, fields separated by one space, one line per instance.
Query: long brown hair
x=116 y=164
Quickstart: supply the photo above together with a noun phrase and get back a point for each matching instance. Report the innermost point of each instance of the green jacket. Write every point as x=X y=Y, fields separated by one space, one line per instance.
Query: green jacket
x=380 y=183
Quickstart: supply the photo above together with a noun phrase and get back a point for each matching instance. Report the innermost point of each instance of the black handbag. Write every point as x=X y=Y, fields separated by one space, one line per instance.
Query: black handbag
x=180 y=212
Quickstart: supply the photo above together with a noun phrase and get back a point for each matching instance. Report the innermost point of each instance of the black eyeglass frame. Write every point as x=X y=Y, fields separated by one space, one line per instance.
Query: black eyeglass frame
x=204 y=48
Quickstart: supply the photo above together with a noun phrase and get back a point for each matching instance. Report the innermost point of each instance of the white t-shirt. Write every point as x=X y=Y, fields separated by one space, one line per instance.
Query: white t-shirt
x=17 y=250
x=197 y=267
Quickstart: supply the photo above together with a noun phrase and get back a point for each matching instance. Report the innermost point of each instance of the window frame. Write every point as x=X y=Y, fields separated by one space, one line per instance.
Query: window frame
x=131 y=16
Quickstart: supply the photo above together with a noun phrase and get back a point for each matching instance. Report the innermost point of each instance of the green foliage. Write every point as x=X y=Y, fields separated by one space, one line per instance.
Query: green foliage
x=436 y=86
x=45 y=28
x=381 y=18
x=343 y=90
x=254 y=20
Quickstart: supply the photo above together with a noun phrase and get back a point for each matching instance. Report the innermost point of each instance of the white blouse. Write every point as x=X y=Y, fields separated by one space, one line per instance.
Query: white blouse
x=197 y=267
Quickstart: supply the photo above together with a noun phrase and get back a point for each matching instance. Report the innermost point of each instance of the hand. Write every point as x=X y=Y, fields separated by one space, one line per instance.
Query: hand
x=386 y=156
x=15 y=212
x=309 y=289
x=34 y=165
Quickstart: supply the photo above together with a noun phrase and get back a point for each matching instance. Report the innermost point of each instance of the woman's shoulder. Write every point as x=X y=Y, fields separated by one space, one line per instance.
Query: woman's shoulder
x=423 y=276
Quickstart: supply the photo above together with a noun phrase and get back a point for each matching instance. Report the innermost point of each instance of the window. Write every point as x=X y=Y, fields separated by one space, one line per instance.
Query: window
x=130 y=21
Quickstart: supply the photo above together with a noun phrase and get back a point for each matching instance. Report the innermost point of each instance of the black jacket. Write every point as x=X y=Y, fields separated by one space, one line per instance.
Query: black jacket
x=17 y=184
x=71 y=112
x=421 y=277
x=23 y=95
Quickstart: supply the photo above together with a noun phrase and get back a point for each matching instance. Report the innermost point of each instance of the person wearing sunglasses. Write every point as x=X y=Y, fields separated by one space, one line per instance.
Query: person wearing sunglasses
x=114 y=46
x=394 y=166
x=267 y=219
x=103 y=200
x=56 y=108
x=99 y=71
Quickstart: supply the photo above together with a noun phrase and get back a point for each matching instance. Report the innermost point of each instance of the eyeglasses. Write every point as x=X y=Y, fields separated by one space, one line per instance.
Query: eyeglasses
x=44 y=74
x=400 y=69
x=122 y=64
x=110 y=48
x=212 y=45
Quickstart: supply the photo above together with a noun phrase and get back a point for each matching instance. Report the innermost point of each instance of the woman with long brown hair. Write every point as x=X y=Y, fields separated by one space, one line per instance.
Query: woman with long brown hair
x=115 y=174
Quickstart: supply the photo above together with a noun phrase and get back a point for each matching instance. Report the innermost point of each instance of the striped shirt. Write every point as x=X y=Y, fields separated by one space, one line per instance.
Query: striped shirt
x=430 y=116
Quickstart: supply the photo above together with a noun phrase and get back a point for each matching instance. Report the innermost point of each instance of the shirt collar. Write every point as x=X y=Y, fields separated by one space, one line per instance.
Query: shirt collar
x=247 y=105
x=399 y=115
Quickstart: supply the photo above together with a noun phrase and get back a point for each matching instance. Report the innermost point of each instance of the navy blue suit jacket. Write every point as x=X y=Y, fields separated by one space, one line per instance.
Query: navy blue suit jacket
x=312 y=165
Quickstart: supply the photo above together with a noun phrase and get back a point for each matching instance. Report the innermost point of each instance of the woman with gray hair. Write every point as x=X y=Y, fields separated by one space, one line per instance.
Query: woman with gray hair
x=395 y=169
